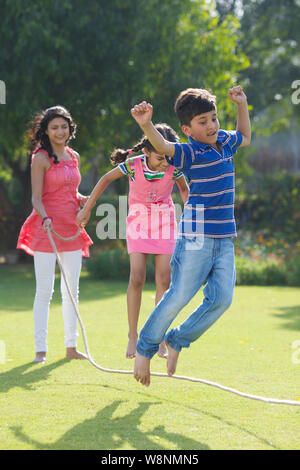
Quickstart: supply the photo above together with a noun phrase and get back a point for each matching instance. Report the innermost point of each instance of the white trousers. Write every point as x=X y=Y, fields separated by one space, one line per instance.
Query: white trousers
x=44 y=266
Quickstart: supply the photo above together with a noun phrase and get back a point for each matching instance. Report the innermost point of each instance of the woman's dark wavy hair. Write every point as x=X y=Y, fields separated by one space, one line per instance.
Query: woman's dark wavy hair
x=120 y=155
x=37 y=132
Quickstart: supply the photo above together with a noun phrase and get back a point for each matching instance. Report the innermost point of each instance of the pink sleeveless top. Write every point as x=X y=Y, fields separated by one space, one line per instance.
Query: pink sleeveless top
x=151 y=222
x=60 y=200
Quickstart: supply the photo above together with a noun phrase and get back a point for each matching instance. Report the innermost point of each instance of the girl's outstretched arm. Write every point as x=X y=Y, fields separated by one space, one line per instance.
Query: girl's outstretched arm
x=183 y=188
x=84 y=214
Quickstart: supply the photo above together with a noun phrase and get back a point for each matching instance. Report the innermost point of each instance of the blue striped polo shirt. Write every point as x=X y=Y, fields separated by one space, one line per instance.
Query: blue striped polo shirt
x=210 y=174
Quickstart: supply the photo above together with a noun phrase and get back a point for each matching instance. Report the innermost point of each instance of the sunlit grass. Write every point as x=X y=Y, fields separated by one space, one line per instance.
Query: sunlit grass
x=72 y=405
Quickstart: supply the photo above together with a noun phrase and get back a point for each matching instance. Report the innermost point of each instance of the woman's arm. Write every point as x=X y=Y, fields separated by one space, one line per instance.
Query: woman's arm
x=84 y=214
x=183 y=188
x=40 y=165
x=81 y=198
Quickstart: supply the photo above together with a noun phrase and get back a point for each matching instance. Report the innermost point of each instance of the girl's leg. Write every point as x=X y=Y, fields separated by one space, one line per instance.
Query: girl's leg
x=137 y=278
x=162 y=280
x=71 y=264
x=44 y=267
x=162 y=275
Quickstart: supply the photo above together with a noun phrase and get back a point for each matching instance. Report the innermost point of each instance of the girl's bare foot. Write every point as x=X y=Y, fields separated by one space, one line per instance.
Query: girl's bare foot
x=162 y=351
x=131 y=347
x=72 y=353
x=172 y=360
x=40 y=357
x=142 y=369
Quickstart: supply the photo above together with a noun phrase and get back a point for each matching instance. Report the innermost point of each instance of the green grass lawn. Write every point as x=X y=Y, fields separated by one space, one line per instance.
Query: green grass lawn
x=67 y=404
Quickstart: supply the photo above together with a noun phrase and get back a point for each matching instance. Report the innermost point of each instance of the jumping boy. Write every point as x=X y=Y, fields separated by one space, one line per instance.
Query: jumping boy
x=204 y=250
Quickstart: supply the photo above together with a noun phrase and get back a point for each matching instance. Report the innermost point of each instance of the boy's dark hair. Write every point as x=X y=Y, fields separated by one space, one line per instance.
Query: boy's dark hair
x=191 y=102
x=120 y=155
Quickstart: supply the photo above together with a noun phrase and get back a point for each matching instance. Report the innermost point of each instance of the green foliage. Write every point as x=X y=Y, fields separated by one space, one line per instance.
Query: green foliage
x=114 y=265
x=270 y=38
x=99 y=58
x=272 y=205
x=263 y=273
x=111 y=264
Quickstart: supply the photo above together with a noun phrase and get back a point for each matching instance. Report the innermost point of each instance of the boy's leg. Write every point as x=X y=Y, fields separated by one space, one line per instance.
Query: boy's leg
x=218 y=294
x=191 y=264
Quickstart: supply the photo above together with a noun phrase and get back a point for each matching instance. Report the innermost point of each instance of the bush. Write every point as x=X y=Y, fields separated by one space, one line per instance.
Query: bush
x=109 y=264
x=114 y=264
x=260 y=273
x=293 y=272
x=271 y=205
x=267 y=260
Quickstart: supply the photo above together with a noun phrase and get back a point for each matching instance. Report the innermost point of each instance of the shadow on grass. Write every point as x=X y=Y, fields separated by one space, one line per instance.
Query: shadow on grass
x=18 y=377
x=290 y=317
x=106 y=430
x=103 y=431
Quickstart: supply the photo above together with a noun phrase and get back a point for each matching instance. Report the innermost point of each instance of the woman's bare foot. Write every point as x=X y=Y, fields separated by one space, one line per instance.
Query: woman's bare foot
x=171 y=360
x=162 y=351
x=40 y=357
x=142 y=369
x=131 y=347
x=72 y=353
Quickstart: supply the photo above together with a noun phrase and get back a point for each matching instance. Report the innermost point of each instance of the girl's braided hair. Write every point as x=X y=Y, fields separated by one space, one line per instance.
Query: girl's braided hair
x=120 y=155
x=37 y=132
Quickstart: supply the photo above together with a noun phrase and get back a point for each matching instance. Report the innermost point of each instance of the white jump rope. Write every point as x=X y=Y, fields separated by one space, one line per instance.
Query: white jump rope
x=158 y=374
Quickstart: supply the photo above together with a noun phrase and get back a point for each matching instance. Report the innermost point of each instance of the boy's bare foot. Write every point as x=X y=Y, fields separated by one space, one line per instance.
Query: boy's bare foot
x=131 y=347
x=162 y=351
x=142 y=369
x=171 y=360
x=40 y=357
x=72 y=353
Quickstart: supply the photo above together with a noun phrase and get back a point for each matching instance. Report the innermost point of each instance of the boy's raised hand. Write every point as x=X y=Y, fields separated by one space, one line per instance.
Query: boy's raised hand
x=142 y=113
x=237 y=95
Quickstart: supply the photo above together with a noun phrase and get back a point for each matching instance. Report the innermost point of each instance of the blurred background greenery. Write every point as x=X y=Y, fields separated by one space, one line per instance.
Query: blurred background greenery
x=99 y=58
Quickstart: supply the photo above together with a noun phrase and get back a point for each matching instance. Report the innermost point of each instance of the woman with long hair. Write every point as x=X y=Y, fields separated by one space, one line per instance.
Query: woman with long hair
x=55 y=179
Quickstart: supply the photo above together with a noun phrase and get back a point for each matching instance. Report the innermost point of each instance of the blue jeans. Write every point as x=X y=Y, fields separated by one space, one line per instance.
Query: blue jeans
x=195 y=261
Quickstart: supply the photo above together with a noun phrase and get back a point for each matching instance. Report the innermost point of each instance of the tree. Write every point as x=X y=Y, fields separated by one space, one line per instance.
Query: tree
x=98 y=58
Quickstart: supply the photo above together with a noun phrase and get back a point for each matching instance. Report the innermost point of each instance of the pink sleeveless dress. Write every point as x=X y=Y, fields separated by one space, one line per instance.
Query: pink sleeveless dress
x=151 y=222
x=59 y=198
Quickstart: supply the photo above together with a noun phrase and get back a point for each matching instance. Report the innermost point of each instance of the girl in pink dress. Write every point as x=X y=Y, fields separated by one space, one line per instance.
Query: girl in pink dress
x=151 y=223
x=56 y=201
